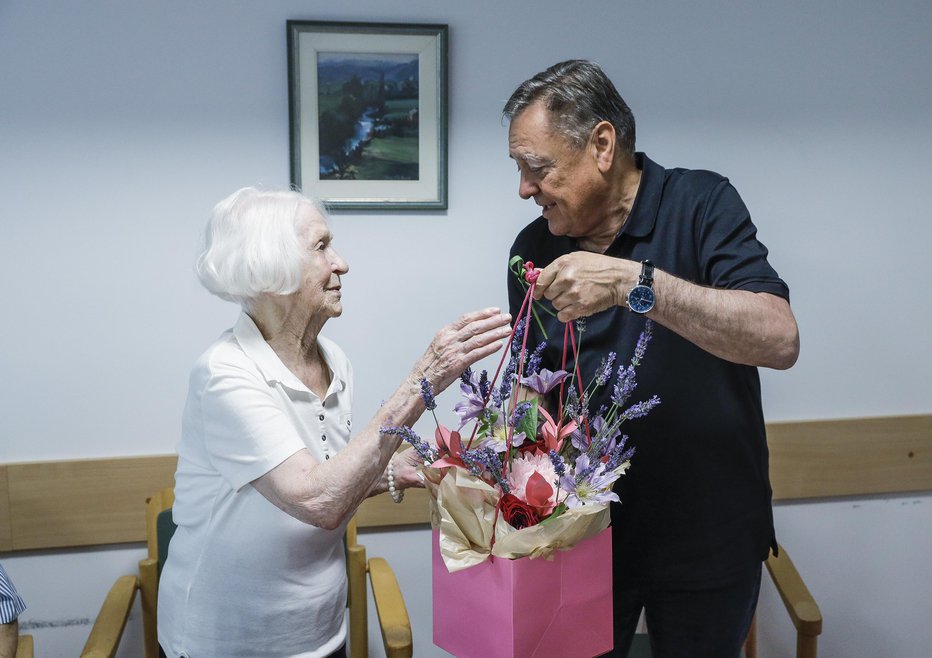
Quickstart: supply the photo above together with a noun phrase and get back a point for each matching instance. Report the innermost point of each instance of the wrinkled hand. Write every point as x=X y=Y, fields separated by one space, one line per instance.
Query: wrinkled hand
x=472 y=337
x=582 y=283
x=407 y=474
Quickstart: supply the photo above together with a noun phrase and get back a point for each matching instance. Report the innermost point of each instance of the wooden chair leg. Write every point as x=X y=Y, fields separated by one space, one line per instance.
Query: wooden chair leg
x=806 y=646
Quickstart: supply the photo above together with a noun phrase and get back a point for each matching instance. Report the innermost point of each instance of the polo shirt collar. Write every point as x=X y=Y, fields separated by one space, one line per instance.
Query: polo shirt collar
x=249 y=337
x=647 y=202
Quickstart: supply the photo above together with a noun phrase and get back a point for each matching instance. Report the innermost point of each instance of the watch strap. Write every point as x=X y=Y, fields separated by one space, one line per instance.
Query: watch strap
x=647 y=274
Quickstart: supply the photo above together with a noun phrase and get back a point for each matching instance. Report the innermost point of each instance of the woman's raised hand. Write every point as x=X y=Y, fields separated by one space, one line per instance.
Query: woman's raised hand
x=460 y=344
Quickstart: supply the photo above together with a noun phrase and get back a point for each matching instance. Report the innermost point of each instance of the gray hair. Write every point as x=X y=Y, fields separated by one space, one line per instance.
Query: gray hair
x=252 y=244
x=578 y=95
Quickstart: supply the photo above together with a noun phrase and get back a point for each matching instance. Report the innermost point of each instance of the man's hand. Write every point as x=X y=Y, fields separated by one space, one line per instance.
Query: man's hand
x=582 y=283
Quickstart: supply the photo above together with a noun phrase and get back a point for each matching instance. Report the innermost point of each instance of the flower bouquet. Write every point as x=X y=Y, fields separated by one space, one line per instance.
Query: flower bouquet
x=527 y=474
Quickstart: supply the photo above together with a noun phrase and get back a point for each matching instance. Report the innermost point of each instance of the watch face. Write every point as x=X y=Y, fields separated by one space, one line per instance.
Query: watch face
x=641 y=299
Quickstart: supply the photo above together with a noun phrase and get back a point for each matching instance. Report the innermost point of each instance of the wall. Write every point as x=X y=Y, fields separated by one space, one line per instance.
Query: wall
x=121 y=124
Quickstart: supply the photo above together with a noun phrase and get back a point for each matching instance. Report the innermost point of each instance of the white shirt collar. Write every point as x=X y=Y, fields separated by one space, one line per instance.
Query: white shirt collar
x=249 y=337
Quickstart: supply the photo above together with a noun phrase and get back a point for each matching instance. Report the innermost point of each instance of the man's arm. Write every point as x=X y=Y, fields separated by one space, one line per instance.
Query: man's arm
x=9 y=639
x=756 y=329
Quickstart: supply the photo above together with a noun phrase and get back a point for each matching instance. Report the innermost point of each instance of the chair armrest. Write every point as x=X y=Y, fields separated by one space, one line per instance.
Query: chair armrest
x=390 y=606
x=111 y=620
x=799 y=603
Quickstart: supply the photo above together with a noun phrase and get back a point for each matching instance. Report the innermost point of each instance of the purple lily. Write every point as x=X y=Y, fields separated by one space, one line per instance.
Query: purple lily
x=470 y=408
x=544 y=381
x=473 y=404
x=593 y=488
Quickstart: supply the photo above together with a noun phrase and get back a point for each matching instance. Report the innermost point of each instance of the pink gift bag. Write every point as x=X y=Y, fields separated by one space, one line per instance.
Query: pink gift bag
x=527 y=608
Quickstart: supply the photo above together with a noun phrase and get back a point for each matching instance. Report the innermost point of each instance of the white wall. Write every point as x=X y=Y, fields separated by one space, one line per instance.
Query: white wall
x=122 y=123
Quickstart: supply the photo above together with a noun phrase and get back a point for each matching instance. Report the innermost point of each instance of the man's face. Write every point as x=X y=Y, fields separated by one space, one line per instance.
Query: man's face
x=565 y=182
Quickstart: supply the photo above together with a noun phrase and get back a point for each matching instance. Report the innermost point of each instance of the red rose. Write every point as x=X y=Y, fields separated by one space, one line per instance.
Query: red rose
x=517 y=513
x=537 y=445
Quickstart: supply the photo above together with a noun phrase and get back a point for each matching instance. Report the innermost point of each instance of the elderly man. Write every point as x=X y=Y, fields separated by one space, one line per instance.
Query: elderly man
x=621 y=239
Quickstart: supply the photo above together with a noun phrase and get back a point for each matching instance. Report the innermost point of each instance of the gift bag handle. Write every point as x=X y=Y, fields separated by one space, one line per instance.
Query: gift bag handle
x=531 y=275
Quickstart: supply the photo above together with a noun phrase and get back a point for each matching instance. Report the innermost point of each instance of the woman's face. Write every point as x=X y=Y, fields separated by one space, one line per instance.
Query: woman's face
x=321 y=290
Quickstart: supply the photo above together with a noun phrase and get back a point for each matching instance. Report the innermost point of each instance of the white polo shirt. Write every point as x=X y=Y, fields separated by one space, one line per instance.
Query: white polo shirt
x=243 y=578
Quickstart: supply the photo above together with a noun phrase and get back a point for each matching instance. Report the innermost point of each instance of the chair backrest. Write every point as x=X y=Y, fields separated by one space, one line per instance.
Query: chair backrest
x=356 y=593
x=164 y=530
x=159 y=529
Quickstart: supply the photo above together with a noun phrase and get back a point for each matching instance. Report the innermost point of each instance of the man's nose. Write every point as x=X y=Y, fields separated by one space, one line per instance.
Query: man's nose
x=527 y=188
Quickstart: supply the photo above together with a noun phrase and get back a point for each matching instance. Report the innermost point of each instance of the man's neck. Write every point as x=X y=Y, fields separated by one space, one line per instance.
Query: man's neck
x=618 y=209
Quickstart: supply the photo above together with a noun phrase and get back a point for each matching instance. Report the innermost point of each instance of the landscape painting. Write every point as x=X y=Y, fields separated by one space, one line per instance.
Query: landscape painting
x=368 y=116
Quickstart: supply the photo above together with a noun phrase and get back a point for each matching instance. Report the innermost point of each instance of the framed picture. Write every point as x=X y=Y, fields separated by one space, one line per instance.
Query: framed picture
x=368 y=109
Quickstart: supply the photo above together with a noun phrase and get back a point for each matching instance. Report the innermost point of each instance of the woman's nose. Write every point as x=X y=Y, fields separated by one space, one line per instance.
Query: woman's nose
x=340 y=266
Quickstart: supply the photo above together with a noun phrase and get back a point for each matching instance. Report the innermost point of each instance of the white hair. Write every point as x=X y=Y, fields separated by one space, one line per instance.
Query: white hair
x=252 y=244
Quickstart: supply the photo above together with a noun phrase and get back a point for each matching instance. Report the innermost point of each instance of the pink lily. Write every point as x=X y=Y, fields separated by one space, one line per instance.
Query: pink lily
x=450 y=446
x=553 y=434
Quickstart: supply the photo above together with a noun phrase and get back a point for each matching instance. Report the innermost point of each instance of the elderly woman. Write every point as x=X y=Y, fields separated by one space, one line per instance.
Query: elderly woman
x=269 y=468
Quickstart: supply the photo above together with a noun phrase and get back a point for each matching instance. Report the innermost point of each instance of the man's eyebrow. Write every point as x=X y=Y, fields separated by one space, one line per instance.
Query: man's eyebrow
x=531 y=159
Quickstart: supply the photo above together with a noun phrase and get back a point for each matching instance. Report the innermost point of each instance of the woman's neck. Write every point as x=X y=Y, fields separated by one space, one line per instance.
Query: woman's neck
x=293 y=337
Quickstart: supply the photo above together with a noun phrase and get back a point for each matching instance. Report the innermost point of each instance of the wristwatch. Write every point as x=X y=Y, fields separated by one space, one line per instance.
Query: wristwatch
x=641 y=297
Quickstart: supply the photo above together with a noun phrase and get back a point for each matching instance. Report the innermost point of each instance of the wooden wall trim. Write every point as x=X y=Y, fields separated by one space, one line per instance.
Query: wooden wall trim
x=83 y=502
x=6 y=541
x=88 y=502
x=852 y=457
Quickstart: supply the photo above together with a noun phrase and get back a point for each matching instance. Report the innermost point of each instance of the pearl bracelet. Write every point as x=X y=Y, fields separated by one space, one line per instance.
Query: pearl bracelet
x=396 y=493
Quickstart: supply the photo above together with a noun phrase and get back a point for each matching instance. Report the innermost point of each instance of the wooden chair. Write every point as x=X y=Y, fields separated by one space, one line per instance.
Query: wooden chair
x=800 y=606
x=389 y=604
x=105 y=636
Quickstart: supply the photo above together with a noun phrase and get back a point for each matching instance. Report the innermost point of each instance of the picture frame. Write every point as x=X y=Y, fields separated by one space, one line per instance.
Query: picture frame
x=368 y=114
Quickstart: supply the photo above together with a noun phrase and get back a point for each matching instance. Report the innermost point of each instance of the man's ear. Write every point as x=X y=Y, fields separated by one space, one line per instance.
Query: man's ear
x=602 y=143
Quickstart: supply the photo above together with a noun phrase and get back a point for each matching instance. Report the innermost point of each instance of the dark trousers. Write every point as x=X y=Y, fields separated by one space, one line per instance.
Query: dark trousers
x=689 y=623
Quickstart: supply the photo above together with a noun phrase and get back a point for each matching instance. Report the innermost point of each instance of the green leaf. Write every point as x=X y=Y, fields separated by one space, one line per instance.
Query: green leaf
x=528 y=424
x=516 y=265
x=486 y=423
x=557 y=511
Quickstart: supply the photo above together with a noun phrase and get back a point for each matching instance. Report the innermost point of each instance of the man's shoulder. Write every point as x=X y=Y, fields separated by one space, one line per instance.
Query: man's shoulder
x=678 y=182
x=694 y=178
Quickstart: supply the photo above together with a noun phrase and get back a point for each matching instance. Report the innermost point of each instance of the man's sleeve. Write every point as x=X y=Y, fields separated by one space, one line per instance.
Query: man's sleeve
x=11 y=603
x=731 y=256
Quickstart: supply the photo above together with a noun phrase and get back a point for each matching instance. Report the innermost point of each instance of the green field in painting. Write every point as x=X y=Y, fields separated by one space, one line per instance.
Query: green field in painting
x=389 y=158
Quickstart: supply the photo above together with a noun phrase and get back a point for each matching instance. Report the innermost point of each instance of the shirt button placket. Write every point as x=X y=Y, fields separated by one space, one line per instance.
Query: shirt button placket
x=323 y=438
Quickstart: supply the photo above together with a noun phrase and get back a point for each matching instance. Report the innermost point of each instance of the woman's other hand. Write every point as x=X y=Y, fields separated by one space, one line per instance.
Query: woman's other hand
x=460 y=344
x=407 y=468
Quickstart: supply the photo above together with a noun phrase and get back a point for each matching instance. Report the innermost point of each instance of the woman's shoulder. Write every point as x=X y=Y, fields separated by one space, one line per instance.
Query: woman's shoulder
x=223 y=355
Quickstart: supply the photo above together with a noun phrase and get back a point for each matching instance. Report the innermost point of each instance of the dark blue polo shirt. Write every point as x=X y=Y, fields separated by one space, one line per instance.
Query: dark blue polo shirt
x=695 y=505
